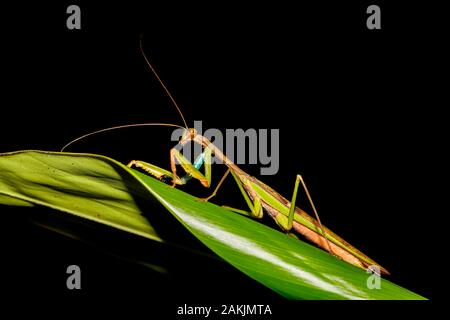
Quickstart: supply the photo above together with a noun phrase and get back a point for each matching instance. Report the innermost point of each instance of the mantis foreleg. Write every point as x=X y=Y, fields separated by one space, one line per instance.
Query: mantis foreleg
x=205 y=179
x=161 y=173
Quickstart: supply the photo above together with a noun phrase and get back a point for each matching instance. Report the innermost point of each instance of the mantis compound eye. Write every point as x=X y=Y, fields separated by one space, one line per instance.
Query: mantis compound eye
x=192 y=132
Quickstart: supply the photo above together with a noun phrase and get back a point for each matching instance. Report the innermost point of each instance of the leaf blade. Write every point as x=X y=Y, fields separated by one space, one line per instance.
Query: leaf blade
x=86 y=184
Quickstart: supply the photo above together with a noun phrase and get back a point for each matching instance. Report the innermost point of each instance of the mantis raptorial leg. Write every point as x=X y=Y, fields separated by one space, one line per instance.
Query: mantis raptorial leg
x=205 y=179
x=161 y=173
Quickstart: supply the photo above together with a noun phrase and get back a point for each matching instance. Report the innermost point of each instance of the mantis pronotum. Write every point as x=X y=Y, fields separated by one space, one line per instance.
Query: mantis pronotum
x=258 y=196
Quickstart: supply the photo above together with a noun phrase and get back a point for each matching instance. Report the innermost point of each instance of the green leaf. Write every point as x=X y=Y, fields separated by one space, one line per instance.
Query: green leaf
x=88 y=186
x=101 y=189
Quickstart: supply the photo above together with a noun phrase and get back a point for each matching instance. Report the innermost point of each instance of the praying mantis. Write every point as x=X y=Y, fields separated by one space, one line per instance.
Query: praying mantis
x=259 y=197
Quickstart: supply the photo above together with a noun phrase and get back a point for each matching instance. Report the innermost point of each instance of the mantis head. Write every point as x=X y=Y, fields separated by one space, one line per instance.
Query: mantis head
x=189 y=134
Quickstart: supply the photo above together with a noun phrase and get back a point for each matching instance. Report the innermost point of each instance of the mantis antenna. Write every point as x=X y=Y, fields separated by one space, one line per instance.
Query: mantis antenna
x=121 y=127
x=162 y=83
x=139 y=124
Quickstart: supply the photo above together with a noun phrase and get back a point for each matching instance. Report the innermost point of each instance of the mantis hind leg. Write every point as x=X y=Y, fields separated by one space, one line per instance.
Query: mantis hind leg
x=298 y=180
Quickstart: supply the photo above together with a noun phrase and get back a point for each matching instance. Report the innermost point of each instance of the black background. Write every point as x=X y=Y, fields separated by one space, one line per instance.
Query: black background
x=357 y=109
